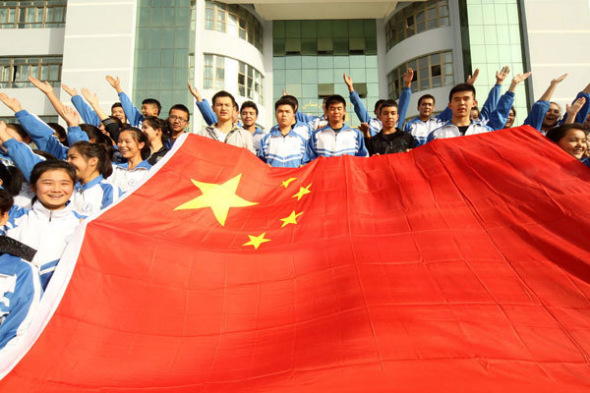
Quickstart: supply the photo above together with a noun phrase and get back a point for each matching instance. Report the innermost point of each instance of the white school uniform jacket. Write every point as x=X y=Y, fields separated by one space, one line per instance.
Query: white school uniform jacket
x=450 y=130
x=125 y=178
x=90 y=198
x=47 y=231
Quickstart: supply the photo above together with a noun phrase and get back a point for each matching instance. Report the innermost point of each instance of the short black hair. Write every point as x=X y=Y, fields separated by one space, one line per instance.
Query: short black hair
x=249 y=104
x=556 y=133
x=180 y=107
x=223 y=93
x=379 y=104
x=51 y=165
x=4 y=176
x=285 y=101
x=152 y=101
x=461 y=87
x=6 y=201
x=425 y=97
x=116 y=105
x=335 y=99
x=93 y=133
x=294 y=99
x=388 y=103
x=63 y=136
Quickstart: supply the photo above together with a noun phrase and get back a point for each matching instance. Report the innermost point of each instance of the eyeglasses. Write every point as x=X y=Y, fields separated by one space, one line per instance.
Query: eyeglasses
x=180 y=119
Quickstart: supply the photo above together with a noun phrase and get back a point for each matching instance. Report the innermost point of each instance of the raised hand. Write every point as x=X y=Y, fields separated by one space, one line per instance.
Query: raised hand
x=45 y=87
x=472 y=78
x=4 y=135
x=518 y=78
x=193 y=90
x=69 y=90
x=90 y=97
x=365 y=129
x=502 y=74
x=572 y=110
x=115 y=83
x=348 y=81
x=71 y=116
x=408 y=77
x=11 y=103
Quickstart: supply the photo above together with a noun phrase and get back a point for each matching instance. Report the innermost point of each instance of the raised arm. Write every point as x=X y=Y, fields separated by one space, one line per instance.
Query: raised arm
x=208 y=115
x=133 y=115
x=404 y=99
x=86 y=112
x=540 y=107
x=573 y=110
x=359 y=107
x=499 y=117
x=491 y=102
x=21 y=154
x=47 y=89
x=75 y=133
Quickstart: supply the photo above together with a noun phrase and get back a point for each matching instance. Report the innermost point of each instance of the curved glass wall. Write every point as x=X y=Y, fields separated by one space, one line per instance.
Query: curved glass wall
x=235 y=20
x=416 y=18
x=220 y=72
x=430 y=71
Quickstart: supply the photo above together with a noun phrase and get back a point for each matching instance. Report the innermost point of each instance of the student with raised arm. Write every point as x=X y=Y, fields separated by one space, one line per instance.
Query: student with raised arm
x=499 y=117
x=544 y=114
x=362 y=113
x=112 y=124
x=86 y=111
x=149 y=106
x=390 y=139
x=336 y=139
x=208 y=114
x=461 y=100
x=282 y=146
x=225 y=130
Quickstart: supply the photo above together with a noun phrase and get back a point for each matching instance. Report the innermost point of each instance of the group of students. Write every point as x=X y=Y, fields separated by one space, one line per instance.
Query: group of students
x=47 y=192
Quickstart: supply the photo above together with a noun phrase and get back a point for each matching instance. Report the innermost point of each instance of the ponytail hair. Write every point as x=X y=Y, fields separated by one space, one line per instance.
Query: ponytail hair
x=158 y=124
x=96 y=150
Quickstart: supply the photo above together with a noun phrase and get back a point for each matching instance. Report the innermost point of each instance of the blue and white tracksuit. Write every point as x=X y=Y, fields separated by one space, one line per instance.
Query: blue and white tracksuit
x=326 y=142
x=450 y=130
x=134 y=116
x=86 y=112
x=284 y=151
x=421 y=129
x=125 y=179
x=208 y=115
x=20 y=293
x=257 y=139
x=47 y=231
x=375 y=125
x=42 y=135
x=313 y=122
x=90 y=198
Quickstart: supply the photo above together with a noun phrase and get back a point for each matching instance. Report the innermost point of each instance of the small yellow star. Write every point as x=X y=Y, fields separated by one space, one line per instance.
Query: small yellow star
x=302 y=191
x=256 y=241
x=292 y=219
x=287 y=182
x=219 y=197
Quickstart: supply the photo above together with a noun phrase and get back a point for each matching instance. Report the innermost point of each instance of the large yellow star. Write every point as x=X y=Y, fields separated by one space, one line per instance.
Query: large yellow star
x=219 y=197
x=302 y=191
x=292 y=219
x=256 y=241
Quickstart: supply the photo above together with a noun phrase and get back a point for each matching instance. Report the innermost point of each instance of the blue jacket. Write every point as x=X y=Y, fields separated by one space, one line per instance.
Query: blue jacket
x=134 y=116
x=421 y=129
x=42 y=135
x=20 y=293
x=86 y=112
x=326 y=142
x=289 y=151
x=208 y=115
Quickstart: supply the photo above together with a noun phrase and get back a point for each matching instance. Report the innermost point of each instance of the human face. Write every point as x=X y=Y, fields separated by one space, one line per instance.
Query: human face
x=574 y=143
x=119 y=113
x=336 y=114
x=474 y=114
x=511 y=117
x=388 y=117
x=54 y=189
x=425 y=108
x=249 y=117
x=552 y=115
x=128 y=146
x=285 y=115
x=149 y=110
x=85 y=167
x=151 y=133
x=461 y=104
x=224 y=108
x=177 y=120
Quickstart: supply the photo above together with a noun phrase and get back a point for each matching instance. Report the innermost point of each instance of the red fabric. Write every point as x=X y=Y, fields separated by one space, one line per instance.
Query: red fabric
x=462 y=266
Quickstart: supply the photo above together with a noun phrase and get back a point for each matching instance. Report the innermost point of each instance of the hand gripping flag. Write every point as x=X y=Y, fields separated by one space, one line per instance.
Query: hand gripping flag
x=462 y=266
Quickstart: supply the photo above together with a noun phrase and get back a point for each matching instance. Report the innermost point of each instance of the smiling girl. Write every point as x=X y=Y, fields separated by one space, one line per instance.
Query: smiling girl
x=571 y=138
x=50 y=223
x=133 y=146
x=156 y=131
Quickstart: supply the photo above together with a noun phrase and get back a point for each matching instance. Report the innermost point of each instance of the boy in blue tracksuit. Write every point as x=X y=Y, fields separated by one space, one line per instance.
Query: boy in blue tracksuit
x=149 y=106
x=282 y=146
x=336 y=138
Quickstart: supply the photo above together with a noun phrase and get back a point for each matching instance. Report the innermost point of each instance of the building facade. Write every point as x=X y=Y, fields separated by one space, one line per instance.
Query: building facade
x=258 y=49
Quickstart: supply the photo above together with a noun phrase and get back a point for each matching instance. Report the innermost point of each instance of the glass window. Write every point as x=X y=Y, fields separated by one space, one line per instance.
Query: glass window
x=14 y=72
x=434 y=70
x=32 y=14
x=416 y=18
x=238 y=21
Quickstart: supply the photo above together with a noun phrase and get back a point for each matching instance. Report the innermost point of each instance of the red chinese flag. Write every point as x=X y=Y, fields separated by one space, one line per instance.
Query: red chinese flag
x=462 y=266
